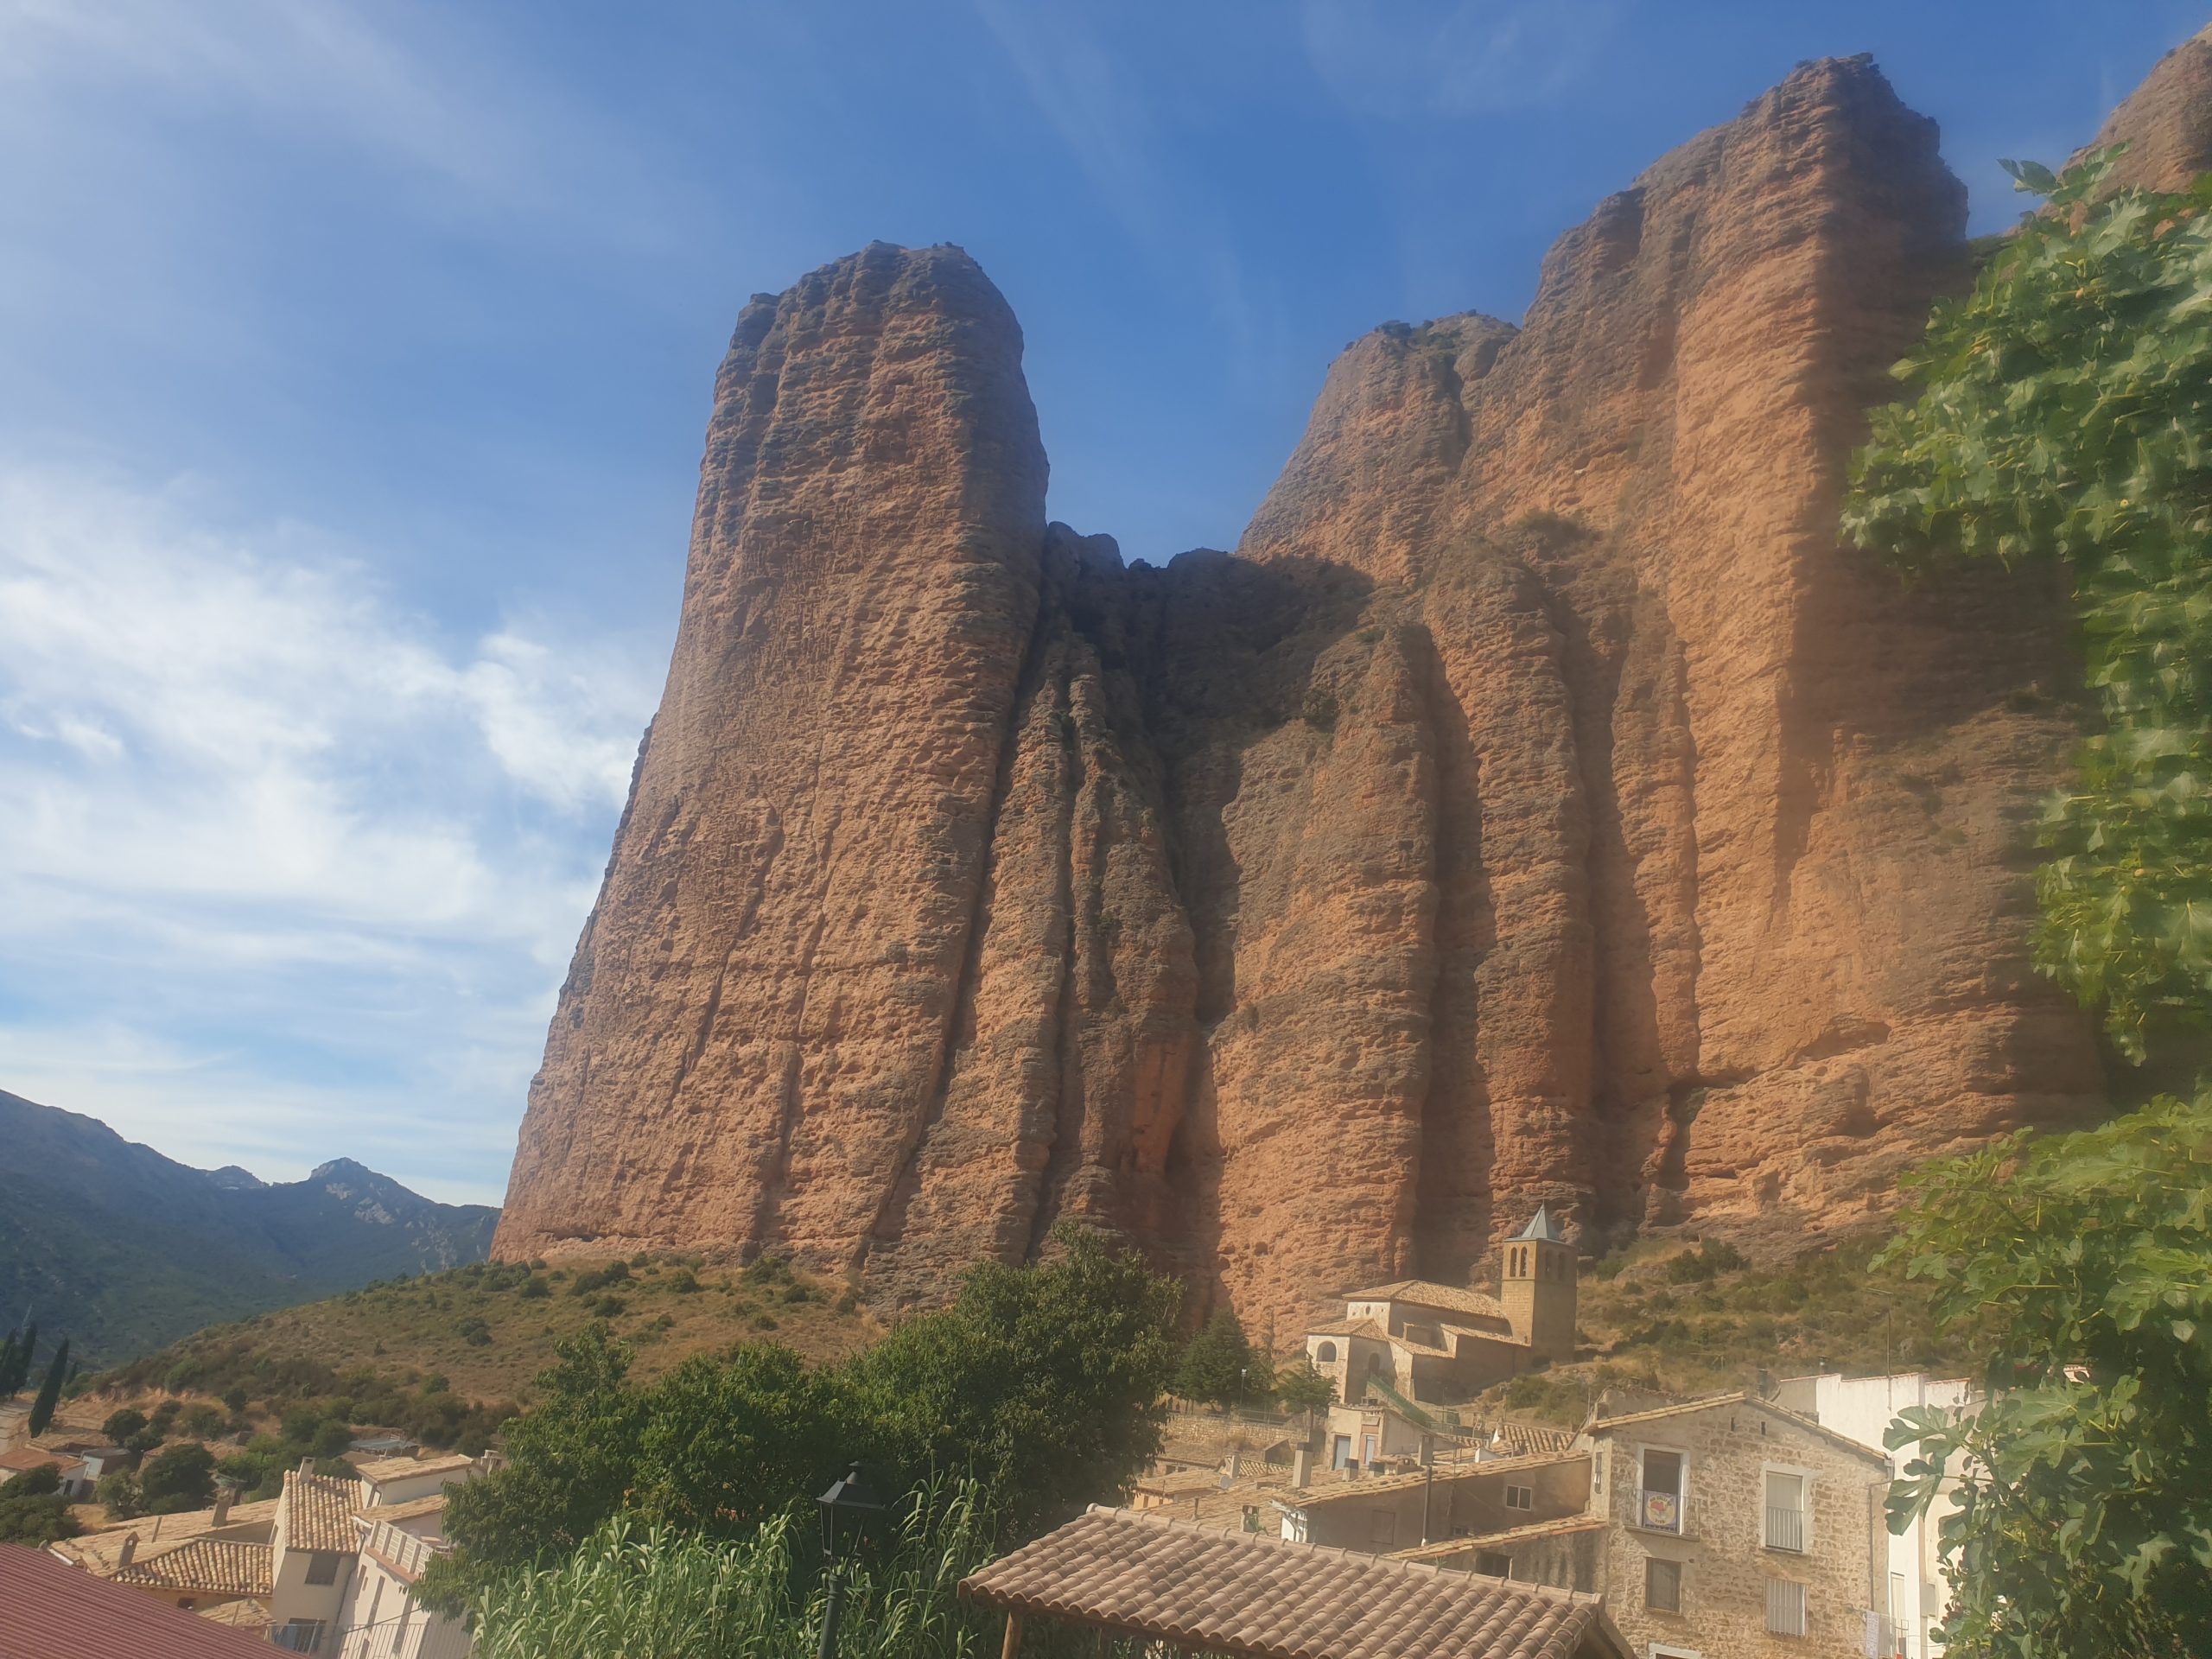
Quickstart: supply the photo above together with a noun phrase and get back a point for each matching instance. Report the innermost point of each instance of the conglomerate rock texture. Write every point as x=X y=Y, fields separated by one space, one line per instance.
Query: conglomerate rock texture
x=1540 y=805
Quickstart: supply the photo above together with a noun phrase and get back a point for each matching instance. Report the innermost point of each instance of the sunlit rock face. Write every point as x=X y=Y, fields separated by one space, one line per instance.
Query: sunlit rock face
x=1539 y=805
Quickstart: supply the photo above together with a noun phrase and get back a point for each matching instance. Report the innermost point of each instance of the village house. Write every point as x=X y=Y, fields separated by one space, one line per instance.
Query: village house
x=1721 y=1528
x=326 y=1567
x=1862 y=1409
x=70 y=1469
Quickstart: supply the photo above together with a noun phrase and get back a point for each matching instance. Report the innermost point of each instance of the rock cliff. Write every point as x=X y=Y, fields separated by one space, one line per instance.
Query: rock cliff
x=1539 y=805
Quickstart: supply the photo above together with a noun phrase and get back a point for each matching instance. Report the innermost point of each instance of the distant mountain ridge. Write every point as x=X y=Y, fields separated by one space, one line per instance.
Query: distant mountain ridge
x=106 y=1241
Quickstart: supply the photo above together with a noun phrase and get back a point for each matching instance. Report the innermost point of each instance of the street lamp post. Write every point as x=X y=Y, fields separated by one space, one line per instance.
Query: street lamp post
x=847 y=1506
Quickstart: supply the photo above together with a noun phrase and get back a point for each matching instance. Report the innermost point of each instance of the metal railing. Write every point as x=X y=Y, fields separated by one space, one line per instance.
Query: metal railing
x=410 y=1555
x=1785 y=1528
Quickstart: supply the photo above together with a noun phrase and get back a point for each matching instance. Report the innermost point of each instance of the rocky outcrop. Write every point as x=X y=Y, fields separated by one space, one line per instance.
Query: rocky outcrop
x=2166 y=123
x=1540 y=805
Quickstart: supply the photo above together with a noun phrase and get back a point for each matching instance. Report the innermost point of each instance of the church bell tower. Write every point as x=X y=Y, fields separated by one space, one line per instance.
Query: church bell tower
x=1537 y=1287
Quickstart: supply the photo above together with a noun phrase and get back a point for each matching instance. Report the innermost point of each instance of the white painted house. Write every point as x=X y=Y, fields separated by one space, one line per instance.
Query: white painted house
x=1862 y=1409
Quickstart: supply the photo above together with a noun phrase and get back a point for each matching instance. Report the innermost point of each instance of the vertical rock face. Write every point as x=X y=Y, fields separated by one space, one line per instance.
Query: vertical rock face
x=758 y=1016
x=1539 y=806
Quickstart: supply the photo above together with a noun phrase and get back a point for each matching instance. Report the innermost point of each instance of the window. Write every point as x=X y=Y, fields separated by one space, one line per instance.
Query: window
x=1520 y=1498
x=1326 y=1354
x=1367 y=1450
x=1662 y=1585
x=1382 y=1528
x=300 y=1636
x=322 y=1566
x=1493 y=1564
x=1340 y=1452
x=1785 y=1607
x=1786 y=1525
x=1660 y=1502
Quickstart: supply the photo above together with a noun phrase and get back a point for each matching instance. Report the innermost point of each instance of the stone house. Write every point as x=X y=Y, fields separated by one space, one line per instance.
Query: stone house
x=1390 y=1514
x=1442 y=1344
x=1721 y=1528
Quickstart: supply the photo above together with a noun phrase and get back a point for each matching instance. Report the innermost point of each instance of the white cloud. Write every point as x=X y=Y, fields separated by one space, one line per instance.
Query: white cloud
x=281 y=830
x=1412 y=59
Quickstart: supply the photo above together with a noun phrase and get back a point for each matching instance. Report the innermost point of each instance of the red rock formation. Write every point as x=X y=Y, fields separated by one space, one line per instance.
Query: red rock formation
x=2166 y=123
x=1540 y=805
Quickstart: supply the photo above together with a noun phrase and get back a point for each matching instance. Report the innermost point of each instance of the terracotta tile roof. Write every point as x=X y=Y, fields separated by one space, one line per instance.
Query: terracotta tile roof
x=24 y=1458
x=318 y=1512
x=1424 y=1293
x=1445 y=1548
x=1708 y=1402
x=97 y=1551
x=1490 y=1469
x=382 y=1470
x=1349 y=1328
x=240 y=1615
x=1523 y=1439
x=1249 y=1595
x=48 y=1610
x=215 y=1566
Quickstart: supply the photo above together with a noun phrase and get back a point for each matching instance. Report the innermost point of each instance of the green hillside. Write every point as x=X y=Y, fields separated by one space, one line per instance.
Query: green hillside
x=123 y=1249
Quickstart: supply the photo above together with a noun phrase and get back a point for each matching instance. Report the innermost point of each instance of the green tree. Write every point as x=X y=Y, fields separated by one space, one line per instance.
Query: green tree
x=1044 y=1382
x=1216 y=1365
x=1300 y=1388
x=2084 y=1485
x=19 y=1368
x=726 y=1446
x=182 y=1477
x=569 y=1463
x=49 y=1392
x=1041 y=1384
x=119 y=1489
x=122 y=1425
x=33 y=1509
x=2064 y=410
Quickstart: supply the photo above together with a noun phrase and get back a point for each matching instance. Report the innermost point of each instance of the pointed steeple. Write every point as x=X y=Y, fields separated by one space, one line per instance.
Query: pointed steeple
x=1541 y=1228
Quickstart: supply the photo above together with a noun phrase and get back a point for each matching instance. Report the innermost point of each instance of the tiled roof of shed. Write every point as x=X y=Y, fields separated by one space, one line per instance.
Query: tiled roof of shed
x=215 y=1566
x=319 y=1512
x=1262 y=1597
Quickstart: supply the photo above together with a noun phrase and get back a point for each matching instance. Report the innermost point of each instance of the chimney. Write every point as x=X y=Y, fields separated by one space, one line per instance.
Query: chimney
x=1301 y=1468
x=224 y=1494
x=129 y=1548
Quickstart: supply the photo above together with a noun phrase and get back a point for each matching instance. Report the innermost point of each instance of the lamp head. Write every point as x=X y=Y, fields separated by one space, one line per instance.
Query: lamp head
x=848 y=1505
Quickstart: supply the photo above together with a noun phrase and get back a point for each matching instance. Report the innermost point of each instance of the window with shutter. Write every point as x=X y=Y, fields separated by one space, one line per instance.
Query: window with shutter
x=1785 y=1607
x=1662 y=1585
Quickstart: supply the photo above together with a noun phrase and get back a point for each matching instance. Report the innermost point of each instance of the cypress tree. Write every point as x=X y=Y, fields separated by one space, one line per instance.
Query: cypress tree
x=49 y=1392
x=21 y=1372
x=7 y=1362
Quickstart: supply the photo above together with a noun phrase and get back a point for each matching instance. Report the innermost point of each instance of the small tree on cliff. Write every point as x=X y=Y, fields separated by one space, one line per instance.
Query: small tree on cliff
x=2065 y=413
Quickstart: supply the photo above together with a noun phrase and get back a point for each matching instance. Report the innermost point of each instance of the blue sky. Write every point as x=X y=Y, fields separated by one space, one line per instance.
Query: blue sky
x=357 y=357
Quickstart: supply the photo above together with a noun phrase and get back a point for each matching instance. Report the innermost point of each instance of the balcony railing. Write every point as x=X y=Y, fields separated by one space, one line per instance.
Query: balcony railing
x=1785 y=1528
x=1659 y=1511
